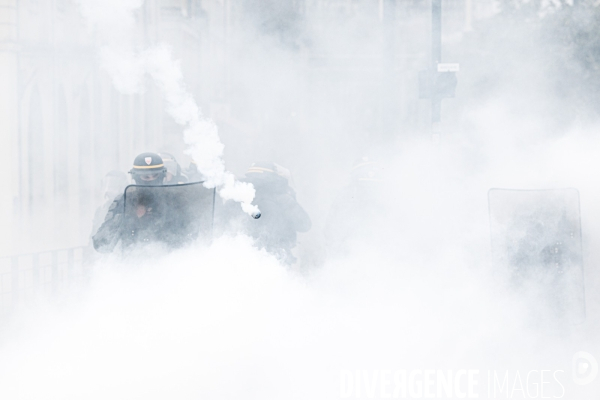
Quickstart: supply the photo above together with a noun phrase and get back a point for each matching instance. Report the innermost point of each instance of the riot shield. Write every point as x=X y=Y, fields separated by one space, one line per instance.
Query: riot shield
x=536 y=242
x=173 y=215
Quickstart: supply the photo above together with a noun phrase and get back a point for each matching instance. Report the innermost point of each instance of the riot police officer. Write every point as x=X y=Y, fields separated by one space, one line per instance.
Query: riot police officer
x=148 y=170
x=282 y=217
x=192 y=172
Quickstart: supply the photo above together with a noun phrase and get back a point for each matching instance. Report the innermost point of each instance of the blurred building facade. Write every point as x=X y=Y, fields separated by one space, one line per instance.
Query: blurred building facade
x=63 y=124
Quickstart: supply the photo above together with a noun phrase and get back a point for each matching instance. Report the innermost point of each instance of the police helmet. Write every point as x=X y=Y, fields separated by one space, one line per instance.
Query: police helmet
x=148 y=169
x=262 y=167
x=193 y=167
x=171 y=164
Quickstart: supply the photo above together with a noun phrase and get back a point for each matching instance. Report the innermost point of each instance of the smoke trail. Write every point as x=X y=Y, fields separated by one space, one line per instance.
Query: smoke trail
x=113 y=21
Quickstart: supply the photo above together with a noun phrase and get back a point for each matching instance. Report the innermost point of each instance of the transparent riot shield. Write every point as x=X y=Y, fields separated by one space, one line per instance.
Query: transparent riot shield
x=536 y=242
x=173 y=215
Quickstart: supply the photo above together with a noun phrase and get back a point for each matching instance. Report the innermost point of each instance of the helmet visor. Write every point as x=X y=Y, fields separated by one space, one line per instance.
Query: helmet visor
x=171 y=166
x=148 y=177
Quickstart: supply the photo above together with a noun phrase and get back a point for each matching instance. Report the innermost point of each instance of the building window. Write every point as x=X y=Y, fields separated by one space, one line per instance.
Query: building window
x=172 y=3
x=180 y=7
x=61 y=148
x=36 y=153
x=114 y=143
x=86 y=172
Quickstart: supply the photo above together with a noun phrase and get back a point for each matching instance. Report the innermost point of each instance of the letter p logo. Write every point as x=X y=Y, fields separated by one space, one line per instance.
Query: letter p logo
x=585 y=368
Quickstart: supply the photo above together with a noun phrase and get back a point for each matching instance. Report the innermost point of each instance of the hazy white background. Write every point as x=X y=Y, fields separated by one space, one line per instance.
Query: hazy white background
x=313 y=86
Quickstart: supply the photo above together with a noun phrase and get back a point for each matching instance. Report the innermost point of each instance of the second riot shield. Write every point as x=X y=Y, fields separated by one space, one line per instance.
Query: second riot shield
x=536 y=242
x=172 y=215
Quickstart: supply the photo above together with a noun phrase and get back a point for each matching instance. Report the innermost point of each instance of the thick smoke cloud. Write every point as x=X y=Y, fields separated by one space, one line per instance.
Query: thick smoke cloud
x=412 y=289
x=222 y=328
x=128 y=67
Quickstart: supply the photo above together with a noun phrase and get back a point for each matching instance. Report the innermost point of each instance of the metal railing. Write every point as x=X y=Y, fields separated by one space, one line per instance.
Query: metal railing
x=27 y=277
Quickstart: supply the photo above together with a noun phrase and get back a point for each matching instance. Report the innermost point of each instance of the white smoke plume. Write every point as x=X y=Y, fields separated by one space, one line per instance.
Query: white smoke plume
x=114 y=22
x=416 y=290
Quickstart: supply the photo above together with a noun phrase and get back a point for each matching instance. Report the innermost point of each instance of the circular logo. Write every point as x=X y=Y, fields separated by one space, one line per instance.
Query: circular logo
x=585 y=368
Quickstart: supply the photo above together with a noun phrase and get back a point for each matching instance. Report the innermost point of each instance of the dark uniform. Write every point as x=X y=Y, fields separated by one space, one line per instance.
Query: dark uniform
x=192 y=172
x=281 y=215
x=139 y=225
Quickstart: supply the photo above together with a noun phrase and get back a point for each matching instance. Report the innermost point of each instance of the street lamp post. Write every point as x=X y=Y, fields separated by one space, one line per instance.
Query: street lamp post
x=439 y=81
x=436 y=58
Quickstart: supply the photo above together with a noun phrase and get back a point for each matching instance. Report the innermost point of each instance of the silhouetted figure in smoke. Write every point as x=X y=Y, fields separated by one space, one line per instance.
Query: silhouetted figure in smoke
x=543 y=247
x=356 y=210
x=113 y=185
x=192 y=172
x=149 y=170
x=174 y=175
x=282 y=217
x=546 y=259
